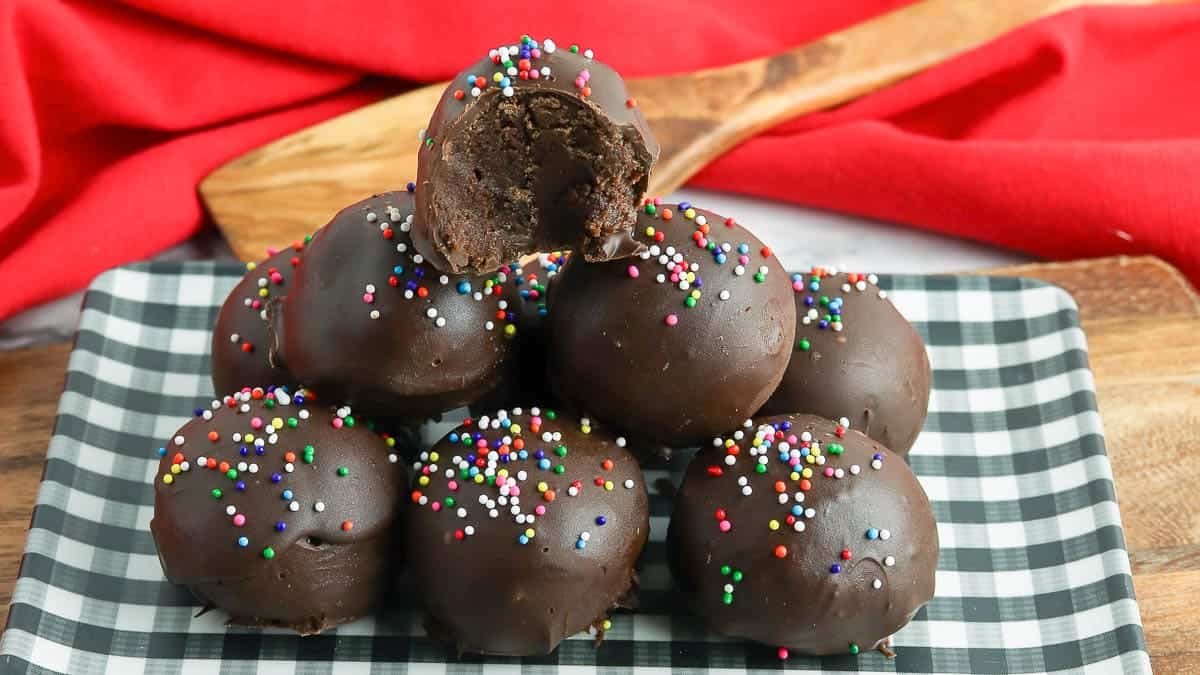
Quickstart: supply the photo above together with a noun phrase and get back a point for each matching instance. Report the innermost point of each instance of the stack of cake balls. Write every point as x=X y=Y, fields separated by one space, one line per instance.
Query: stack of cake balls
x=299 y=494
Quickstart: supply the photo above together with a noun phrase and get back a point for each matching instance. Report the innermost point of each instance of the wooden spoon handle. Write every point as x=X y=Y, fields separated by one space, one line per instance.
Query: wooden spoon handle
x=285 y=190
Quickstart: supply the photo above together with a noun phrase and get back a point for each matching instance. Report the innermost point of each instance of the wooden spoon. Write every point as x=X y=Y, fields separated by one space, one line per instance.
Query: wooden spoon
x=285 y=190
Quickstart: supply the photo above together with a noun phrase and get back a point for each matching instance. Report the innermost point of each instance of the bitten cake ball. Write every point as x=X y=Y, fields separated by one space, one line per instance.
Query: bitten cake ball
x=368 y=321
x=855 y=355
x=801 y=534
x=536 y=147
x=526 y=380
x=278 y=511
x=677 y=345
x=524 y=528
x=240 y=346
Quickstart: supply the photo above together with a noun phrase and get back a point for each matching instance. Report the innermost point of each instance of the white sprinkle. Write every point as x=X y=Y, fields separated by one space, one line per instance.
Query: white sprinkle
x=717 y=442
x=861 y=285
x=889 y=561
x=230 y=510
x=701 y=220
x=661 y=278
x=588 y=54
x=739 y=270
x=810 y=512
x=469 y=530
x=234 y=337
x=799 y=497
x=423 y=500
x=370 y=288
x=724 y=295
x=548 y=46
x=729 y=460
x=885 y=534
x=876 y=464
x=493 y=513
x=621 y=441
x=431 y=312
x=462 y=512
x=628 y=483
x=743 y=481
x=393 y=458
x=839 y=473
x=545 y=71
x=877 y=584
x=185 y=466
x=294 y=506
x=488 y=325
x=872 y=279
x=747 y=491
x=844 y=422
x=585 y=535
x=179 y=440
x=242 y=466
x=303 y=414
x=374 y=314
x=262 y=283
x=418 y=258
x=855 y=469
x=783 y=498
x=319 y=507
x=728 y=588
x=883 y=295
x=441 y=321
x=289 y=467
x=507 y=91
x=798 y=526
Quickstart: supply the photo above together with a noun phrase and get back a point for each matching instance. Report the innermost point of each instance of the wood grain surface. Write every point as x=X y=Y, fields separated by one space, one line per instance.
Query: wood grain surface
x=1142 y=321
x=287 y=189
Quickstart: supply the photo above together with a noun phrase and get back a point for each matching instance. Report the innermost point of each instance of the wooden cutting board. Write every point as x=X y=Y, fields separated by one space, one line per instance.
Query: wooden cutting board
x=1142 y=321
x=289 y=188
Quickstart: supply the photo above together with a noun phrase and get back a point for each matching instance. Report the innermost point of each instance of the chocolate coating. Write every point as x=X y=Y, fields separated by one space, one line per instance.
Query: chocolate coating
x=488 y=586
x=614 y=354
x=370 y=323
x=332 y=558
x=872 y=524
x=869 y=365
x=241 y=346
x=525 y=380
x=540 y=161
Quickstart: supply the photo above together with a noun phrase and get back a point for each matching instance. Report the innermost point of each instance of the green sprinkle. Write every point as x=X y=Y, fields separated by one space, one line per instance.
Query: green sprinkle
x=760 y=468
x=824 y=300
x=307 y=238
x=309 y=449
x=429 y=142
x=759 y=277
x=737 y=576
x=449 y=501
x=727 y=598
x=804 y=345
x=561 y=451
x=216 y=493
x=491 y=480
x=269 y=403
x=464 y=474
x=551 y=415
x=349 y=420
x=268 y=553
x=308 y=459
x=853 y=648
x=559 y=468
x=293 y=422
x=835 y=449
x=343 y=471
x=725 y=570
x=651 y=209
x=232 y=473
x=574 y=49
x=690 y=302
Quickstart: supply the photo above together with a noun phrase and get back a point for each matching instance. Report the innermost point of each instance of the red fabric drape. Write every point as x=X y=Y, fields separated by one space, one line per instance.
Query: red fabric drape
x=1076 y=136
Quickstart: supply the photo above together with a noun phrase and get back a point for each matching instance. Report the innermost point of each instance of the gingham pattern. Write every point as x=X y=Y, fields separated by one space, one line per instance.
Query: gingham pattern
x=1033 y=574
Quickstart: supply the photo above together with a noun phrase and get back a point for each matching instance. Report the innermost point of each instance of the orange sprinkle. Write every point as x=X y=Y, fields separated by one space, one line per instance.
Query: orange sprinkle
x=289 y=456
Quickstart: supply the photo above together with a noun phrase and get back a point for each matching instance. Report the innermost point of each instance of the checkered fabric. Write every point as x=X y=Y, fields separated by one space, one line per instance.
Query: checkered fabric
x=1033 y=574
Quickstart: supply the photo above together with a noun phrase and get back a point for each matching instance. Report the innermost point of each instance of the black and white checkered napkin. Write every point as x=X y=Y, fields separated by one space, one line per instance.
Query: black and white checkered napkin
x=1033 y=575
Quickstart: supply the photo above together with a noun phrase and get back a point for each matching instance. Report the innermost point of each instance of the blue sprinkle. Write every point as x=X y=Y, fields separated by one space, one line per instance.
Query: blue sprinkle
x=808 y=301
x=814 y=286
x=411 y=187
x=721 y=258
x=823 y=324
x=835 y=568
x=804 y=452
x=280 y=526
x=287 y=494
x=420 y=272
x=464 y=287
x=580 y=544
x=398 y=270
x=260 y=451
x=497 y=443
x=474 y=471
x=243 y=542
x=243 y=451
x=453 y=437
x=476 y=436
x=783 y=457
x=878 y=455
x=786 y=425
x=797 y=510
x=698 y=282
x=162 y=452
x=872 y=533
x=411 y=285
x=471 y=79
x=540 y=453
x=601 y=520
x=542 y=311
x=199 y=411
x=523 y=454
x=504 y=82
x=471 y=458
x=522 y=540
x=684 y=206
x=275 y=478
x=552 y=267
x=743 y=249
x=298 y=399
x=797 y=277
x=544 y=464
x=506 y=423
x=240 y=485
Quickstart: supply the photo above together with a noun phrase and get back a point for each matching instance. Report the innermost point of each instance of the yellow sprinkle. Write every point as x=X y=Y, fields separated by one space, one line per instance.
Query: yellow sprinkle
x=649 y=231
x=496 y=77
x=175 y=468
x=607 y=625
x=586 y=430
x=794 y=476
x=529 y=532
x=510 y=330
x=514 y=429
x=689 y=214
x=168 y=479
x=729 y=443
x=696 y=293
x=774 y=524
x=807 y=472
x=542 y=487
x=811 y=459
x=691 y=277
x=262 y=292
x=423 y=480
x=608 y=485
x=277 y=423
x=391 y=442
x=757 y=441
x=502 y=473
x=479 y=478
x=250 y=266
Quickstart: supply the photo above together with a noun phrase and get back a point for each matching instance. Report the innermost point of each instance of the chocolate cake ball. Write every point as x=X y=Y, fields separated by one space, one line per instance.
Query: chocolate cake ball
x=369 y=322
x=524 y=528
x=278 y=511
x=240 y=346
x=855 y=355
x=681 y=343
x=799 y=533
x=525 y=380
x=535 y=147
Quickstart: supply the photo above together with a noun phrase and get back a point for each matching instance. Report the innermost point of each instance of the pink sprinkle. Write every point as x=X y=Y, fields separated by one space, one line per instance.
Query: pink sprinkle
x=436 y=506
x=256 y=423
x=535 y=294
x=725 y=526
x=798 y=286
x=783 y=653
x=674 y=277
x=535 y=420
x=633 y=272
x=453 y=485
x=701 y=242
x=481 y=443
x=277 y=277
x=540 y=509
x=672 y=319
x=585 y=75
x=368 y=298
x=535 y=53
x=272 y=251
x=579 y=82
x=829 y=472
x=657 y=201
x=337 y=423
x=239 y=520
x=794 y=461
x=533 y=75
x=514 y=490
x=425 y=469
x=792 y=439
x=744 y=259
x=256 y=304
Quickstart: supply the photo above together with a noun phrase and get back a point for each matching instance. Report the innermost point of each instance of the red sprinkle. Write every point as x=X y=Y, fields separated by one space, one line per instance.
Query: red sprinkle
x=247 y=347
x=781 y=551
x=458 y=94
x=630 y=103
x=716 y=471
x=347 y=525
x=213 y=436
x=607 y=465
x=720 y=514
x=845 y=554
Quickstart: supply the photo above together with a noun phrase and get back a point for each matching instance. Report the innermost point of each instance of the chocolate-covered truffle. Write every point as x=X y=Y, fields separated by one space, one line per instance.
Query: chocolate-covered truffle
x=536 y=147
x=677 y=345
x=525 y=380
x=240 y=346
x=370 y=323
x=855 y=355
x=524 y=528
x=278 y=511
x=799 y=533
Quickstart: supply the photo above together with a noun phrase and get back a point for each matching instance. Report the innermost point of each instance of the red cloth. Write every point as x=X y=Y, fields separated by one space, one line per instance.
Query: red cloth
x=1072 y=137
